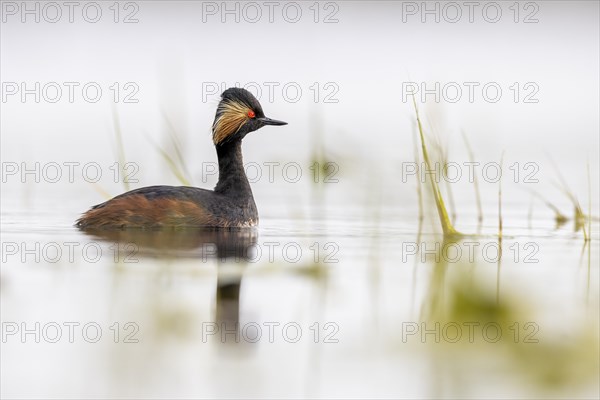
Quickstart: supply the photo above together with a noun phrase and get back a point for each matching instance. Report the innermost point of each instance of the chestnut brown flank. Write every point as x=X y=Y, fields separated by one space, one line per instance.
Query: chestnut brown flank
x=136 y=211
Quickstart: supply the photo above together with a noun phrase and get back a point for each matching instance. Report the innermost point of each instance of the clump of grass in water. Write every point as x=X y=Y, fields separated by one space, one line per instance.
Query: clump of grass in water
x=447 y=227
x=579 y=216
x=539 y=356
x=559 y=217
x=471 y=302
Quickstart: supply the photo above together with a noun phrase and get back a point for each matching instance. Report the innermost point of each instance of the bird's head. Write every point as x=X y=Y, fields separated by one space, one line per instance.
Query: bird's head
x=238 y=114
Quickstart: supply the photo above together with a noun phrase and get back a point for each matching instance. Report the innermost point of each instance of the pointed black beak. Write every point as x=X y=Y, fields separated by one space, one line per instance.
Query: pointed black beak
x=269 y=121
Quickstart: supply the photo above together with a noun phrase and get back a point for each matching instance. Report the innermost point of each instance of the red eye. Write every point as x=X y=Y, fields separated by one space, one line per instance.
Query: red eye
x=251 y=114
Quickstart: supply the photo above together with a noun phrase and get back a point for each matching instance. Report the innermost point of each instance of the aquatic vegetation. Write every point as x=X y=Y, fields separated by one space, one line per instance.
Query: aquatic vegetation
x=447 y=226
x=579 y=216
x=419 y=188
x=559 y=217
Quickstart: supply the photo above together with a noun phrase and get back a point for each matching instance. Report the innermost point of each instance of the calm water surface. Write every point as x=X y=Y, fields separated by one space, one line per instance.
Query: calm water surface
x=338 y=302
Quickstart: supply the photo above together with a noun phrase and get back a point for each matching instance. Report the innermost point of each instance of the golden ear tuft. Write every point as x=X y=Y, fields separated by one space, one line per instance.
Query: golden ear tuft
x=232 y=115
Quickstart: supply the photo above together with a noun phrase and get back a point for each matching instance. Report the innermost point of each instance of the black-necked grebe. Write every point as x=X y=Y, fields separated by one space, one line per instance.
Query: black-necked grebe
x=230 y=204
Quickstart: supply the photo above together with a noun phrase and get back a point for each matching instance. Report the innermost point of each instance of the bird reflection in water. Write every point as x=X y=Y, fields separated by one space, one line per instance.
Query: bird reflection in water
x=228 y=246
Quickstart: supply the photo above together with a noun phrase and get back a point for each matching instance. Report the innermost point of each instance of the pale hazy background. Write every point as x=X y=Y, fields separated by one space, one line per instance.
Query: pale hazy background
x=367 y=54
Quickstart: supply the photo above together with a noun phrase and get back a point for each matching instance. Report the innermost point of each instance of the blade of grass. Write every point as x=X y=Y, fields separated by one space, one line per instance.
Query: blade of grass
x=445 y=157
x=447 y=226
x=419 y=188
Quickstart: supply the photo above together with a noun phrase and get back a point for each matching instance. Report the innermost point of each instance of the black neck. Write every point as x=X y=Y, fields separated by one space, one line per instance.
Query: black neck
x=232 y=177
